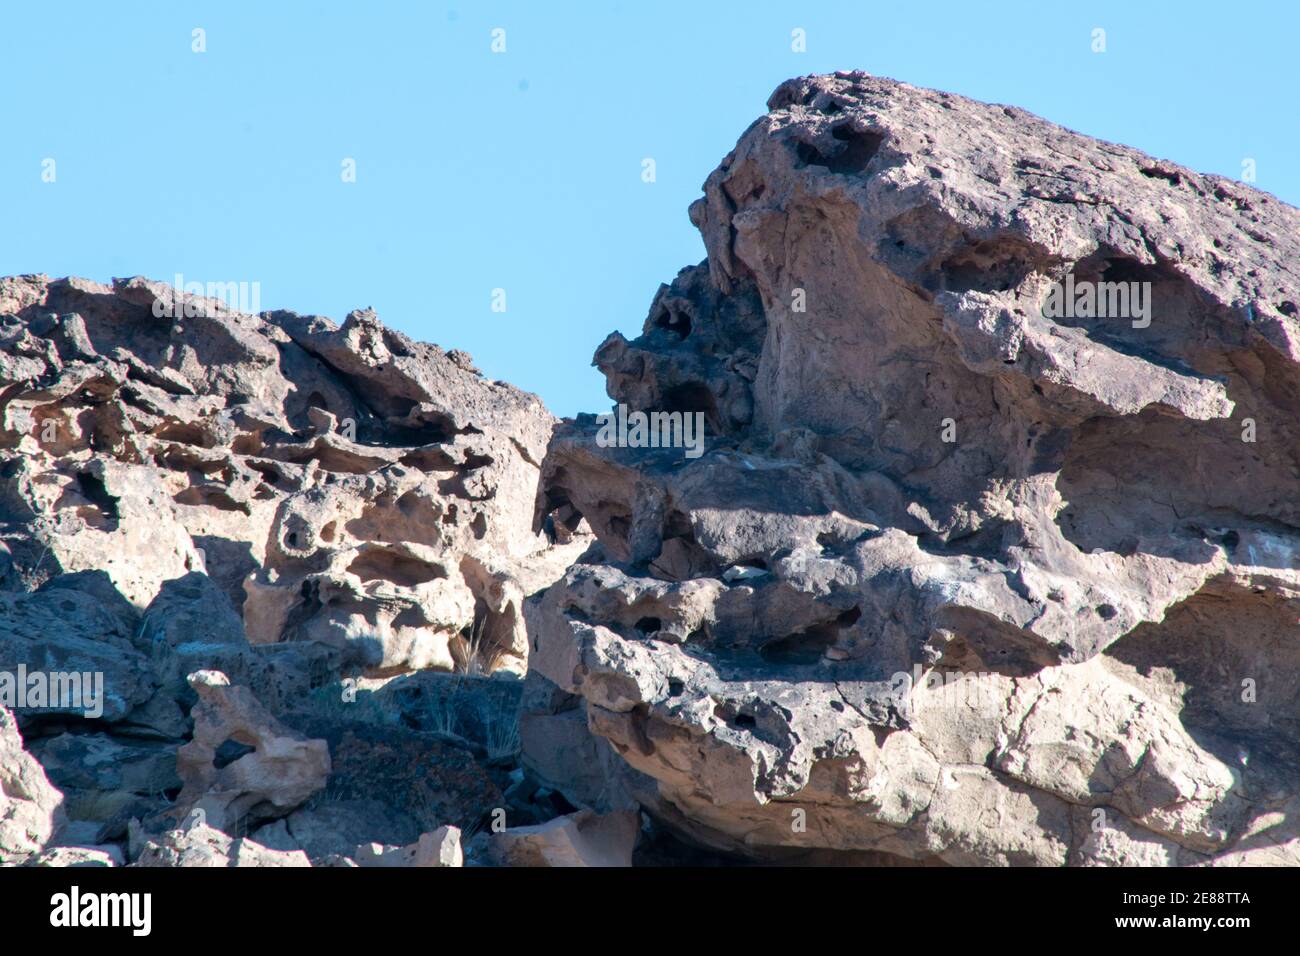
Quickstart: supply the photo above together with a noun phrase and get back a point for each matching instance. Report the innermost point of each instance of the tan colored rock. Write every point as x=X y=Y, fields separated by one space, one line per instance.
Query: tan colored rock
x=438 y=848
x=205 y=846
x=30 y=808
x=340 y=483
x=243 y=763
x=960 y=576
x=579 y=839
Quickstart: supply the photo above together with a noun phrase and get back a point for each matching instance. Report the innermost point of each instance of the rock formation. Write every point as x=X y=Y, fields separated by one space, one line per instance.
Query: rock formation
x=29 y=805
x=238 y=528
x=992 y=555
x=242 y=765
x=342 y=485
x=973 y=571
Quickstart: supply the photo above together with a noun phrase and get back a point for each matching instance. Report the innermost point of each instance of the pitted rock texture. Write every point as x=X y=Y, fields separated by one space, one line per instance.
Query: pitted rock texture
x=310 y=510
x=243 y=765
x=955 y=581
x=200 y=845
x=340 y=484
x=30 y=808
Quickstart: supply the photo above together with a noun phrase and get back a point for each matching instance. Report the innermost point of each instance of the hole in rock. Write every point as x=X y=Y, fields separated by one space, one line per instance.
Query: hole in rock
x=807 y=646
x=859 y=148
x=994 y=265
x=801 y=648
x=96 y=492
x=675 y=321
x=381 y=564
x=184 y=433
x=230 y=751
x=1168 y=175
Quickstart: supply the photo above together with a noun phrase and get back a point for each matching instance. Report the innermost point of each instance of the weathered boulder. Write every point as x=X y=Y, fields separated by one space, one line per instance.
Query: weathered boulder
x=243 y=765
x=30 y=808
x=438 y=848
x=204 y=846
x=584 y=838
x=993 y=554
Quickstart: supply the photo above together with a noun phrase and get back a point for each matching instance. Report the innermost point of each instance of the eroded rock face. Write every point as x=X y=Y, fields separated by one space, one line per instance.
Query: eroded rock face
x=242 y=764
x=200 y=845
x=965 y=575
x=340 y=484
x=309 y=509
x=30 y=808
x=575 y=840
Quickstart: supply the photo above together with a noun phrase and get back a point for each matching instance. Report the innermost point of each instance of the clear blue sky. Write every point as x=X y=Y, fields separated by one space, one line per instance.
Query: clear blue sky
x=522 y=170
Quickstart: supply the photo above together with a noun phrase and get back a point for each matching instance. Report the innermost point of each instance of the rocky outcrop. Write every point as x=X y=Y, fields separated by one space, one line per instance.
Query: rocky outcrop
x=971 y=571
x=990 y=554
x=338 y=484
x=236 y=526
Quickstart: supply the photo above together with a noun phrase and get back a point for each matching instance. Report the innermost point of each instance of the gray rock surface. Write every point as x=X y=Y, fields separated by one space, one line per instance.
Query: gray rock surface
x=963 y=576
x=304 y=507
x=204 y=846
x=959 y=578
x=30 y=808
x=340 y=484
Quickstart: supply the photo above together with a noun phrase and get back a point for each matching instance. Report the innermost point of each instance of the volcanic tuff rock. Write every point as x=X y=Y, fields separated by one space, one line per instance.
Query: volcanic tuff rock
x=342 y=485
x=955 y=582
x=311 y=510
x=242 y=763
x=29 y=805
